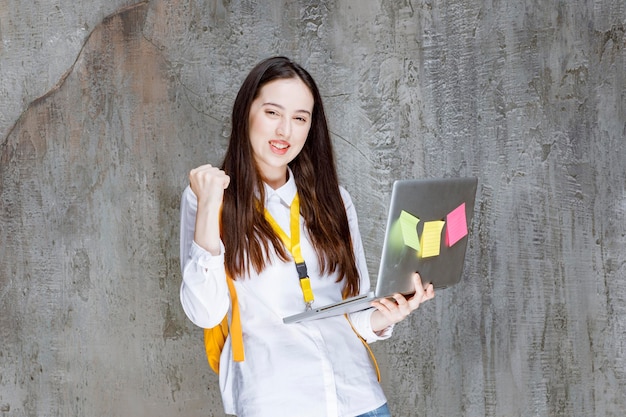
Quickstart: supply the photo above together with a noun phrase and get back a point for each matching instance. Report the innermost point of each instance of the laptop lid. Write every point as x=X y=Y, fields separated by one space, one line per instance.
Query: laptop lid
x=427 y=231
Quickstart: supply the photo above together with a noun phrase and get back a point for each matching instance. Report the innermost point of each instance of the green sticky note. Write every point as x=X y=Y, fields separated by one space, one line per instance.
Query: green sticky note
x=408 y=223
x=431 y=238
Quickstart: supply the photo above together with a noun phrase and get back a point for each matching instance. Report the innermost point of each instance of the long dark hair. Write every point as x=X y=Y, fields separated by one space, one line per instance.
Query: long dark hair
x=247 y=236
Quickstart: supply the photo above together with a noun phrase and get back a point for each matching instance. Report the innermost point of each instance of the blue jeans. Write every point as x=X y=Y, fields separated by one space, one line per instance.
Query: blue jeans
x=382 y=411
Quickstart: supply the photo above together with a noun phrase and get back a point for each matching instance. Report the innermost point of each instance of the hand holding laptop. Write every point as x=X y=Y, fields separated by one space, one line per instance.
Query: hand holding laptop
x=391 y=311
x=427 y=231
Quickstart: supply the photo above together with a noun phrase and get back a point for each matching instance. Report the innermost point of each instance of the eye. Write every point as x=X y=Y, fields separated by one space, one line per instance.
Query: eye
x=301 y=119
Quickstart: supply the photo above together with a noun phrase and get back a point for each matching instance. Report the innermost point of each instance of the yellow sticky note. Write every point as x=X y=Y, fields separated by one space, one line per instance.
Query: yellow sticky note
x=408 y=223
x=431 y=238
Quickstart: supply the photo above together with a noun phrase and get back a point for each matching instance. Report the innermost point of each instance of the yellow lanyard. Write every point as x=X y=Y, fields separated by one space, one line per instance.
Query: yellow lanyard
x=293 y=245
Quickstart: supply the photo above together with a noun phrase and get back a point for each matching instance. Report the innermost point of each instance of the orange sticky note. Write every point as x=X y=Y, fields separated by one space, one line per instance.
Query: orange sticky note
x=456 y=225
x=408 y=224
x=431 y=238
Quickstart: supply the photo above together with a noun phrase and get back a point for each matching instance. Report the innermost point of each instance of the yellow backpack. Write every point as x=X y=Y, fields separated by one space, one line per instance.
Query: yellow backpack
x=215 y=337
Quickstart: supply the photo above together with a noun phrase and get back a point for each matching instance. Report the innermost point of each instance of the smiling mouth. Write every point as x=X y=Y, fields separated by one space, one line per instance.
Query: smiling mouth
x=279 y=145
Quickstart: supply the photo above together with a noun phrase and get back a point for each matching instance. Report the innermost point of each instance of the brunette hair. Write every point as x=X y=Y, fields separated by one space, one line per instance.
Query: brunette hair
x=246 y=234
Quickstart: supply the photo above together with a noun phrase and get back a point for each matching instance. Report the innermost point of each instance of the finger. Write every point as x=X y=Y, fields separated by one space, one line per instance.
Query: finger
x=430 y=291
x=404 y=305
x=380 y=307
x=207 y=174
x=226 y=182
x=389 y=310
x=400 y=299
x=421 y=288
x=196 y=172
x=417 y=282
x=201 y=168
x=387 y=303
x=389 y=307
x=420 y=295
x=427 y=294
x=415 y=301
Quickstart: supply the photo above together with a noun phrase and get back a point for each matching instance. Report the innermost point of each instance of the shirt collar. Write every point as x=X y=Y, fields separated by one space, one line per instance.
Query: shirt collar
x=285 y=193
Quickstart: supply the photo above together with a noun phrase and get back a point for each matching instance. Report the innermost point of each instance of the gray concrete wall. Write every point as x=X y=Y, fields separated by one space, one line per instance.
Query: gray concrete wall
x=106 y=105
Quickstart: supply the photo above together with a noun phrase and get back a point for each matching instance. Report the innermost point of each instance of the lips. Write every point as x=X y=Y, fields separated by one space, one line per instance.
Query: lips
x=279 y=146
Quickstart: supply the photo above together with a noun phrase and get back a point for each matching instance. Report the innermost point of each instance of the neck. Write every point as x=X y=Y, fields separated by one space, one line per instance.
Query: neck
x=277 y=181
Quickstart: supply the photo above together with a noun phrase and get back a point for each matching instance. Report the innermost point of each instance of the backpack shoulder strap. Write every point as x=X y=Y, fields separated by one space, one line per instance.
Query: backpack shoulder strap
x=369 y=349
x=235 y=324
x=215 y=337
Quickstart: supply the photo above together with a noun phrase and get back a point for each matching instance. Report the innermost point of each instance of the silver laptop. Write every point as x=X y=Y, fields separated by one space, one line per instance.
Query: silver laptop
x=427 y=231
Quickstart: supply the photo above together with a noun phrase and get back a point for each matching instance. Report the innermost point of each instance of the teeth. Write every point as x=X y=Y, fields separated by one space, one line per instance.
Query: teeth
x=279 y=145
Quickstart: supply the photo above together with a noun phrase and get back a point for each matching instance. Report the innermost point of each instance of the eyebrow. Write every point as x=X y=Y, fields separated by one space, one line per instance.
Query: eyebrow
x=283 y=108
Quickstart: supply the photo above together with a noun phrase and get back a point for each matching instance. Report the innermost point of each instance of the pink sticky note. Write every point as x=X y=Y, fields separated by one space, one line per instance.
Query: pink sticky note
x=456 y=223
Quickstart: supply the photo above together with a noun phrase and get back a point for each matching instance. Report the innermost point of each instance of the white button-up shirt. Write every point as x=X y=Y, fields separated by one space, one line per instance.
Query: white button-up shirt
x=314 y=368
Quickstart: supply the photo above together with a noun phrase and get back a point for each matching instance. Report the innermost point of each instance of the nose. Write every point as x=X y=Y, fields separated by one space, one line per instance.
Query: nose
x=284 y=127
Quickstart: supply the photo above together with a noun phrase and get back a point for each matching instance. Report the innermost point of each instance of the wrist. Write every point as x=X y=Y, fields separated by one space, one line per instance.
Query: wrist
x=379 y=322
x=207 y=230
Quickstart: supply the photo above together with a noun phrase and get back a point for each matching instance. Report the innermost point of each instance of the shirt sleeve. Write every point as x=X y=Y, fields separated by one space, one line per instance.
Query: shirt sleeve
x=361 y=320
x=203 y=291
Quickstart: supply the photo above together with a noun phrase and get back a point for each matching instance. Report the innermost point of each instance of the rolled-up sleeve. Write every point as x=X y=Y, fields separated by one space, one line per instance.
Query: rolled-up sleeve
x=362 y=322
x=203 y=291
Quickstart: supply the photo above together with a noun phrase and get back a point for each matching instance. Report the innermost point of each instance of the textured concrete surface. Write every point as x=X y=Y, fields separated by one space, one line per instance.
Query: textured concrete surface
x=105 y=106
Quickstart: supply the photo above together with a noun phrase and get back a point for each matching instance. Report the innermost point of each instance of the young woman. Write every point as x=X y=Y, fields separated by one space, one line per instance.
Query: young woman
x=238 y=221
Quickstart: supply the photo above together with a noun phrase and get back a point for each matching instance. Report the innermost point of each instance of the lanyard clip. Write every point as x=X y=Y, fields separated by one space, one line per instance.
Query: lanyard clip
x=302 y=271
x=305 y=285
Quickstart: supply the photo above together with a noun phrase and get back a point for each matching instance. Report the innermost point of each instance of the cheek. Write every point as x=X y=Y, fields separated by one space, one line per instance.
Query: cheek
x=255 y=125
x=303 y=133
x=259 y=122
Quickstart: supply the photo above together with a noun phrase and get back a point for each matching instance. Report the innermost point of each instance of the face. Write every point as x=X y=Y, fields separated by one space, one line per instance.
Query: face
x=279 y=122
